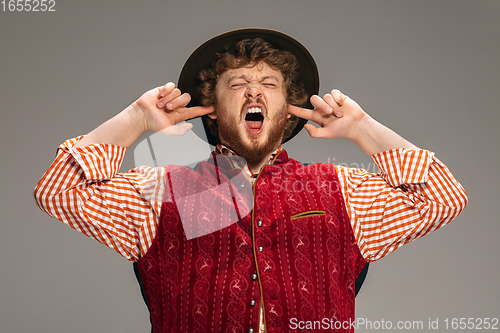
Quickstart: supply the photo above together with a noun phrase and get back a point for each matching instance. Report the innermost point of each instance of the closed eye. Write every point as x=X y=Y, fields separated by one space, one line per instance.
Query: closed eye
x=237 y=85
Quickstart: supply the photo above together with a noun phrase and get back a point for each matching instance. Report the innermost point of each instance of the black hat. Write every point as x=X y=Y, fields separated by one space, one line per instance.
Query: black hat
x=204 y=56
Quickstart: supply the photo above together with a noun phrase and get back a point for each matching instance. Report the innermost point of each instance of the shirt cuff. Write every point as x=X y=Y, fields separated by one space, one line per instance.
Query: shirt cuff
x=100 y=161
x=404 y=166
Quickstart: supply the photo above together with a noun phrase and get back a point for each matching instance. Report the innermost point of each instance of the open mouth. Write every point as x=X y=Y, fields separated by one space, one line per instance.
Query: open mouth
x=254 y=120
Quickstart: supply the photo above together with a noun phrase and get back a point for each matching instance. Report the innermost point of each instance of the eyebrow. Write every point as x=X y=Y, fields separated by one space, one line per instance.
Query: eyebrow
x=243 y=77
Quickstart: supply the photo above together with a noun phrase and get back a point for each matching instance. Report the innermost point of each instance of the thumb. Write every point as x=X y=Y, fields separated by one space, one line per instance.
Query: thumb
x=313 y=131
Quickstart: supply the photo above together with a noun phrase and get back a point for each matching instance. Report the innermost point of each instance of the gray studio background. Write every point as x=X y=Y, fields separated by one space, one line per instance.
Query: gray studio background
x=427 y=69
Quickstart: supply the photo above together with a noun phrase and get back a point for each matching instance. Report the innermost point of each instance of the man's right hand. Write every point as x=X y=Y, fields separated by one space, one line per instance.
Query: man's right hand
x=161 y=108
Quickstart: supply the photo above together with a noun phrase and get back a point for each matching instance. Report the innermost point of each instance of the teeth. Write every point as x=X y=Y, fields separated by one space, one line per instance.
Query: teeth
x=254 y=110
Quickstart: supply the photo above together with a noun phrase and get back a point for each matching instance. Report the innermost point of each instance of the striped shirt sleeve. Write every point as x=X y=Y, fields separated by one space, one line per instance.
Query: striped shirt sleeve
x=413 y=194
x=83 y=189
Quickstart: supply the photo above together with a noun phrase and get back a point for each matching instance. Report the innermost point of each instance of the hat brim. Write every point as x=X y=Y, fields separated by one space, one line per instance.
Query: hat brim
x=204 y=56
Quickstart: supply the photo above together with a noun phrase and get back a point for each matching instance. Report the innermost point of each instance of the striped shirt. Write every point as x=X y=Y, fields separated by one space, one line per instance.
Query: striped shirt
x=413 y=194
x=241 y=164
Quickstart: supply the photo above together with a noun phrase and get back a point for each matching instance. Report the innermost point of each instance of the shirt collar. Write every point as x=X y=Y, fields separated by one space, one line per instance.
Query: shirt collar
x=223 y=150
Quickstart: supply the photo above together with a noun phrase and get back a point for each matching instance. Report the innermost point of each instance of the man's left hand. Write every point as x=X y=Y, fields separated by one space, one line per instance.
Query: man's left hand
x=337 y=115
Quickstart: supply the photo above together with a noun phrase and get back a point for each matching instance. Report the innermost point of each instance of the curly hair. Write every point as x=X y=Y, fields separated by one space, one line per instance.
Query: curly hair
x=252 y=52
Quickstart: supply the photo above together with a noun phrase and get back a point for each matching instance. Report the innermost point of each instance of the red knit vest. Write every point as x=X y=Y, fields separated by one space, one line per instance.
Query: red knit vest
x=295 y=252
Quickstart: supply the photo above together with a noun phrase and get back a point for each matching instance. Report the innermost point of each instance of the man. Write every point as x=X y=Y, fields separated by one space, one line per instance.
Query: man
x=291 y=262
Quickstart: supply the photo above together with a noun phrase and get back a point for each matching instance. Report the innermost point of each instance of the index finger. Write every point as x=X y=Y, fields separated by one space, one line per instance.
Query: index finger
x=195 y=111
x=313 y=115
x=300 y=112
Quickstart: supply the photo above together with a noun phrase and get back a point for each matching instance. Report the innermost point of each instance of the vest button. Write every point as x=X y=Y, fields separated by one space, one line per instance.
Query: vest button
x=260 y=223
x=261 y=249
x=252 y=303
x=254 y=277
x=250 y=330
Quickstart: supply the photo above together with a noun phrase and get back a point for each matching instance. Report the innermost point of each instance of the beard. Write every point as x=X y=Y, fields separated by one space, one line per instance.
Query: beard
x=251 y=147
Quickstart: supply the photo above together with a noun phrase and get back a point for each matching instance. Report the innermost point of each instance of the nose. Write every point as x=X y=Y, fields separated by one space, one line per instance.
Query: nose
x=253 y=91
